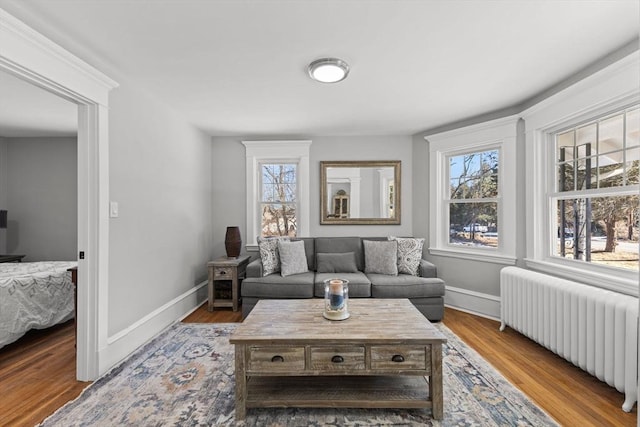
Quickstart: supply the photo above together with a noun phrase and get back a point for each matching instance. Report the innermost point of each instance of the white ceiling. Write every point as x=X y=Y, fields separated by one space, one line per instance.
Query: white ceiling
x=239 y=67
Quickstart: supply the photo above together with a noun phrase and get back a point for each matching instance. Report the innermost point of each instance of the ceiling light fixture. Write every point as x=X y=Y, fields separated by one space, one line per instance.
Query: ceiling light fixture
x=328 y=70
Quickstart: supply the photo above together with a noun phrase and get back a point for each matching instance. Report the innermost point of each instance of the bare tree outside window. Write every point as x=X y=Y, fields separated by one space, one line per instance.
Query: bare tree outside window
x=473 y=199
x=278 y=200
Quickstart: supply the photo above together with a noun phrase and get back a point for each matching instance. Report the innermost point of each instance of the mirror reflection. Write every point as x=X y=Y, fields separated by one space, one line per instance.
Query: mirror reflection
x=364 y=192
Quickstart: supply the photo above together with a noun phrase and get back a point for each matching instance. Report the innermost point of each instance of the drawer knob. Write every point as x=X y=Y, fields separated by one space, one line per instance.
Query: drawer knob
x=398 y=358
x=277 y=359
x=337 y=359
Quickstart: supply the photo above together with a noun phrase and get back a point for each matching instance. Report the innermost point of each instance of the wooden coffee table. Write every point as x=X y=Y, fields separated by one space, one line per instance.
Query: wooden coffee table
x=288 y=355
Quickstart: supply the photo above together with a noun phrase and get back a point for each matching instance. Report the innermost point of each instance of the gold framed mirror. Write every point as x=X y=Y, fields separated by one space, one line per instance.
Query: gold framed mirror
x=360 y=192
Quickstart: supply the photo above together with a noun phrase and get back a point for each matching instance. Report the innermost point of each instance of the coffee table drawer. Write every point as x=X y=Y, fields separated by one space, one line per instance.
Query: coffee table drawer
x=399 y=357
x=337 y=358
x=276 y=359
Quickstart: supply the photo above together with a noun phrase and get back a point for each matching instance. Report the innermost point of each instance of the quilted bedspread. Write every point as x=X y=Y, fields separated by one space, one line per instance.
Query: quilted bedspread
x=34 y=295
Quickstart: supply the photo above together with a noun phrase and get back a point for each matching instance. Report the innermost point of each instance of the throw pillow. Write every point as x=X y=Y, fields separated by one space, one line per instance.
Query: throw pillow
x=336 y=262
x=381 y=257
x=293 y=258
x=409 y=254
x=269 y=254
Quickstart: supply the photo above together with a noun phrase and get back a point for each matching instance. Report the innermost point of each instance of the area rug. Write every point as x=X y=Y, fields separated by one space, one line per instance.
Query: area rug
x=185 y=377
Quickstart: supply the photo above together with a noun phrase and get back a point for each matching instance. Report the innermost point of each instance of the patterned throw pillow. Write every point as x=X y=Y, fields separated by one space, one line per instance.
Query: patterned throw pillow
x=380 y=257
x=269 y=254
x=409 y=254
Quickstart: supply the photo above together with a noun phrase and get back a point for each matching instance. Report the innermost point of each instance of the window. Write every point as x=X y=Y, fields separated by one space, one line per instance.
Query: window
x=473 y=200
x=472 y=181
x=595 y=199
x=278 y=200
x=582 y=153
x=277 y=189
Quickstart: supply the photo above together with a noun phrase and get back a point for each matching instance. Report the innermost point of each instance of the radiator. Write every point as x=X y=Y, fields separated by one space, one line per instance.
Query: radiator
x=595 y=329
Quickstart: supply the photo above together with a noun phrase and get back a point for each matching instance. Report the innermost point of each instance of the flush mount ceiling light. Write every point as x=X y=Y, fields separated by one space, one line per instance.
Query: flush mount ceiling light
x=328 y=70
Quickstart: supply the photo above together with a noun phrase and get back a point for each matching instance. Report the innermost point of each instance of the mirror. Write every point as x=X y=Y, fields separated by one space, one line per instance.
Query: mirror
x=366 y=192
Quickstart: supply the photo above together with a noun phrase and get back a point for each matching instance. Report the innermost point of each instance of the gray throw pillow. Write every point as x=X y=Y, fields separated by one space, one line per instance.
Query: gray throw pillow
x=269 y=254
x=293 y=258
x=381 y=257
x=336 y=262
x=409 y=254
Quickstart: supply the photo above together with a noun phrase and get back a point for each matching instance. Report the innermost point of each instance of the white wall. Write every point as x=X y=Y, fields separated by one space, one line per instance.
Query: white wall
x=229 y=186
x=160 y=174
x=42 y=192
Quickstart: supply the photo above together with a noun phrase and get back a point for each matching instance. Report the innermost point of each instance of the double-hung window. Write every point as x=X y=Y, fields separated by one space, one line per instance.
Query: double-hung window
x=277 y=189
x=582 y=158
x=595 y=197
x=278 y=199
x=472 y=188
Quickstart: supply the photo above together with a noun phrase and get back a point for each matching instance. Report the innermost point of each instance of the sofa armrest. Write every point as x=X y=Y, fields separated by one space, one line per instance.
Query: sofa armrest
x=254 y=269
x=427 y=269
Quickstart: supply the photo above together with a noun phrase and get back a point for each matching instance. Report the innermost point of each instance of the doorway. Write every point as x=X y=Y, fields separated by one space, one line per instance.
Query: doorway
x=35 y=59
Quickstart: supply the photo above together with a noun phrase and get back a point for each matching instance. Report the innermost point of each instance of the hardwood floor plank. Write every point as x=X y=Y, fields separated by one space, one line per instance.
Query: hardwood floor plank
x=567 y=393
x=37 y=373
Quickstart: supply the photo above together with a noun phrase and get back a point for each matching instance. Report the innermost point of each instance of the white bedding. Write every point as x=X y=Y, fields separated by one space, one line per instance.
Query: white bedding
x=34 y=295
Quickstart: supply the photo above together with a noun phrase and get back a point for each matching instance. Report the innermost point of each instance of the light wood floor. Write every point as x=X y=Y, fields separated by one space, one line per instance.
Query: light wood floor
x=37 y=373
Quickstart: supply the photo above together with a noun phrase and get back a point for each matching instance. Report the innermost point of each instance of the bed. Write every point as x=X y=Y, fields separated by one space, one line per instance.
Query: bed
x=34 y=295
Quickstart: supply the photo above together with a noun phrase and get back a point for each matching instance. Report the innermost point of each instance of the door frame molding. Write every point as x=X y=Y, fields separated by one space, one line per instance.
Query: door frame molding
x=34 y=58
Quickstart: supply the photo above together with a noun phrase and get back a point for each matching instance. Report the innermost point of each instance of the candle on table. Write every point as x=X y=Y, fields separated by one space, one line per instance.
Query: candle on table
x=336 y=298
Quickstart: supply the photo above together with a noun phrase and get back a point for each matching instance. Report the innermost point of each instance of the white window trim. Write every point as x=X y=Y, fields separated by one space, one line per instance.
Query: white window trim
x=496 y=134
x=258 y=152
x=610 y=89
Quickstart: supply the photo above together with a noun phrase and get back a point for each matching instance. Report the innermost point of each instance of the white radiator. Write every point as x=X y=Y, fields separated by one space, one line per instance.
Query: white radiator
x=595 y=329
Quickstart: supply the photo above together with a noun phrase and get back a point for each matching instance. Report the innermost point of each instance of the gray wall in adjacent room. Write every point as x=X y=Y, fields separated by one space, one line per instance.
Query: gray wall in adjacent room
x=3 y=191
x=42 y=192
x=229 y=182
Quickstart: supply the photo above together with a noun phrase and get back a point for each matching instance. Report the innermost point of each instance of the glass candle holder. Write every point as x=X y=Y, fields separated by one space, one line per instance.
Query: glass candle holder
x=336 y=299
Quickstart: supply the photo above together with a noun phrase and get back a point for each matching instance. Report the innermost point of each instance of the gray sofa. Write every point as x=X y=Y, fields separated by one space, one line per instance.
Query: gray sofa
x=425 y=291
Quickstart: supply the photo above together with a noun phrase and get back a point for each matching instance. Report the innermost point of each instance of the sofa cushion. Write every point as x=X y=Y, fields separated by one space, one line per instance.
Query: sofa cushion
x=336 y=262
x=341 y=245
x=405 y=286
x=269 y=254
x=409 y=254
x=381 y=257
x=293 y=259
x=275 y=286
x=359 y=284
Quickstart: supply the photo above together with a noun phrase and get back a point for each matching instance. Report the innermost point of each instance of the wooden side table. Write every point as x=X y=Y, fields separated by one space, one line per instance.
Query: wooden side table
x=226 y=269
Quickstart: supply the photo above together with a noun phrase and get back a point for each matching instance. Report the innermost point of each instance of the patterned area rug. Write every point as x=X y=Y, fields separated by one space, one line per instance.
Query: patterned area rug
x=184 y=377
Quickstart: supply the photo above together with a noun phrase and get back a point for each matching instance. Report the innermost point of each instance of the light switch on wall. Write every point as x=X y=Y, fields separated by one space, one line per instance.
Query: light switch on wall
x=113 y=209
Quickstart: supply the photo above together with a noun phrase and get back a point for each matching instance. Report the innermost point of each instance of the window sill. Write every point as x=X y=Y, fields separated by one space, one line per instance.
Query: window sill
x=474 y=256
x=625 y=283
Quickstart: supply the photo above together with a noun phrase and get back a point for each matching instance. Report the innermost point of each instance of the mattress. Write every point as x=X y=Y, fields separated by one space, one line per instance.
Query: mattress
x=34 y=295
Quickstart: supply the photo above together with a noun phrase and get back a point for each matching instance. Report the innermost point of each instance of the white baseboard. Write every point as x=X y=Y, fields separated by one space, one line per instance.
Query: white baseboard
x=473 y=302
x=123 y=343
